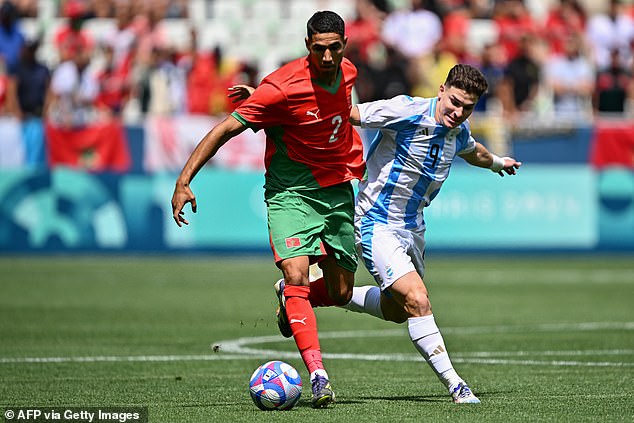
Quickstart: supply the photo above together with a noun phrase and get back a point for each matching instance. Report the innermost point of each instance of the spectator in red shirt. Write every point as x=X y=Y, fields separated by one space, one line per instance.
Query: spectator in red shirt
x=513 y=21
x=566 y=19
x=114 y=88
x=364 y=32
x=71 y=38
x=456 y=36
x=5 y=89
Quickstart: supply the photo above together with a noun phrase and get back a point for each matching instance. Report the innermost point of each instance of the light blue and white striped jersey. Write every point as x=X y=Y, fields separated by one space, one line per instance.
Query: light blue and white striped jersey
x=408 y=160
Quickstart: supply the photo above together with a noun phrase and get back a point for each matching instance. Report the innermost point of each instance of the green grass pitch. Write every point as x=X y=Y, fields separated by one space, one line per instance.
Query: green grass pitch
x=544 y=339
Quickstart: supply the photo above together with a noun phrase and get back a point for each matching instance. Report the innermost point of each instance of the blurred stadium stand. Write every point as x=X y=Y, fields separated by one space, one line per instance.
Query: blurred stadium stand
x=269 y=31
x=575 y=191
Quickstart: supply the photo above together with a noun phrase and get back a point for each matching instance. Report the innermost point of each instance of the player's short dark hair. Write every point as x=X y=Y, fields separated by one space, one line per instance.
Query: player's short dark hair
x=325 y=22
x=467 y=78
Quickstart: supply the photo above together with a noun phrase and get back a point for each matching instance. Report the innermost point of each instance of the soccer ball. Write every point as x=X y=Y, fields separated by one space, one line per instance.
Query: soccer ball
x=275 y=385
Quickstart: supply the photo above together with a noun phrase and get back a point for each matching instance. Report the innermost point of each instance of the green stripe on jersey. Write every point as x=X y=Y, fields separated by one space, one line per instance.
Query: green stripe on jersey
x=283 y=172
x=332 y=89
x=245 y=122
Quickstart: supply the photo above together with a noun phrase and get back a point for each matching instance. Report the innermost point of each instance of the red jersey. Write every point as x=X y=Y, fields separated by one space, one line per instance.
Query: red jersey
x=309 y=141
x=4 y=88
x=69 y=43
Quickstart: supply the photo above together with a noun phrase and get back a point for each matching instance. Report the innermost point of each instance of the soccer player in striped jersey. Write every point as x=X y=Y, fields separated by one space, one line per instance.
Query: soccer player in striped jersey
x=407 y=163
x=312 y=154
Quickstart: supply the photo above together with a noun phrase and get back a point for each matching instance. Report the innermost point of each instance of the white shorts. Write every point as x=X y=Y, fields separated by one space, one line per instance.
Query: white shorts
x=388 y=252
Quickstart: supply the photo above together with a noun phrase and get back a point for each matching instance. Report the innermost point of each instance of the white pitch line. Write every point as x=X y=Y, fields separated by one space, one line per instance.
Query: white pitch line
x=120 y=359
x=467 y=330
x=239 y=345
x=294 y=355
x=544 y=363
x=544 y=327
x=544 y=353
x=238 y=349
x=554 y=276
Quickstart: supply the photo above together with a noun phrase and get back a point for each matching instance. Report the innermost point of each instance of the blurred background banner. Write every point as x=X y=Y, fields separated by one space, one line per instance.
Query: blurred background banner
x=616 y=208
x=67 y=210
x=549 y=207
x=100 y=147
x=168 y=142
x=103 y=101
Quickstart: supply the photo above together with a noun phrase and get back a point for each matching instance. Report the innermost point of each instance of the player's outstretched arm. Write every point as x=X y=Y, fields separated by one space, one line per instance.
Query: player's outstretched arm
x=482 y=157
x=205 y=150
x=355 y=116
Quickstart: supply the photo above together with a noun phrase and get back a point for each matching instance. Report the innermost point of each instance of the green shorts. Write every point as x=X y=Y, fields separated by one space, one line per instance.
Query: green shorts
x=313 y=223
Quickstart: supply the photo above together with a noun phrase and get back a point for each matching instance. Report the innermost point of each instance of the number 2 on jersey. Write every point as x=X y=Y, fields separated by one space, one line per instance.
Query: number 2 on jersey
x=337 y=122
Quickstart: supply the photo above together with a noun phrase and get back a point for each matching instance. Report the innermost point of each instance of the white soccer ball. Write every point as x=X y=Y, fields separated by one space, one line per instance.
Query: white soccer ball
x=275 y=385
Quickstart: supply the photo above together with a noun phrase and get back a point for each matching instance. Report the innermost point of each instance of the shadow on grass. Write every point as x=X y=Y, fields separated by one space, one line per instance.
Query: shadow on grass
x=436 y=398
x=365 y=400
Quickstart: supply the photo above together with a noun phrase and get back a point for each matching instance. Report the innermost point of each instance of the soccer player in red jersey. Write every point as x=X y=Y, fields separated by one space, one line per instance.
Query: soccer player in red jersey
x=312 y=154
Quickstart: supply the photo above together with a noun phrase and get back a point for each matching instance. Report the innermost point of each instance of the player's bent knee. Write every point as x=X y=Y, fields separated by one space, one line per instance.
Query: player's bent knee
x=417 y=303
x=296 y=279
x=294 y=274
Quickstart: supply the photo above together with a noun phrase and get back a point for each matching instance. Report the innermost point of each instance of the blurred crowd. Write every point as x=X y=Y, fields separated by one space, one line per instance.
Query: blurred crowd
x=134 y=66
x=569 y=64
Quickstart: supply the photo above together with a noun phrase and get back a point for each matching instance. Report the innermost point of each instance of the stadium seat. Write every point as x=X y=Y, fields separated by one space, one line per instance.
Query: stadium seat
x=345 y=8
x=267 y=10
x=99 y=29
x=178 y=32
x=481 y=32
x=199 y=11
x=227 y=10
x=212 y=34
x=302 y=10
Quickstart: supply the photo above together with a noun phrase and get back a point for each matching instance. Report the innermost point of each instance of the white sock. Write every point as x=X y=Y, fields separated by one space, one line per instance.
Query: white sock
x=366 y=299
x=320 y=372
x=428 y=341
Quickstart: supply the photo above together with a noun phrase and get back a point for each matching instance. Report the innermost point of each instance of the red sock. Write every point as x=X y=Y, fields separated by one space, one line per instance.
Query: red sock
x=312 y=359
x=318 y=296
x=304 y=325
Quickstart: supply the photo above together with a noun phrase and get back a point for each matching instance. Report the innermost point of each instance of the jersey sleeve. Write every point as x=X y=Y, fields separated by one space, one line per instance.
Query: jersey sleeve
x=378 y=114
x=466 y=142
x=266 y=107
